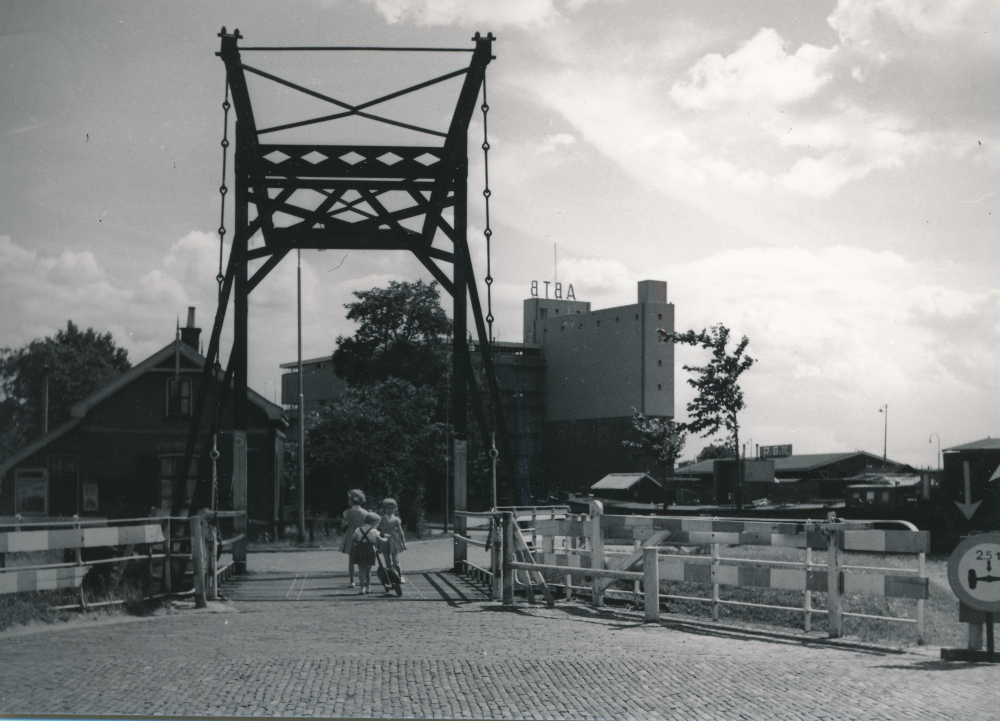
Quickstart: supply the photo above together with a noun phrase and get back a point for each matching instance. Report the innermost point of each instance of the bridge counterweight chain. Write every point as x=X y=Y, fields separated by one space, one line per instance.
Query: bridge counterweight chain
x=222 y=188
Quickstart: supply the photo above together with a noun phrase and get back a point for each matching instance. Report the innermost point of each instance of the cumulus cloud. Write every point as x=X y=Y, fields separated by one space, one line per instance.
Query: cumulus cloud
x=880 y=27
x=40 y=293
x=524 y=13
x=760 y=70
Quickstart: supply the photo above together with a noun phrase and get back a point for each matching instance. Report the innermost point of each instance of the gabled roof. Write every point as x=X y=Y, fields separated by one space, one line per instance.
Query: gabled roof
x=79 y=411
x=621 y=481
x=273 y=411
x=986 y=444
x=790 y=464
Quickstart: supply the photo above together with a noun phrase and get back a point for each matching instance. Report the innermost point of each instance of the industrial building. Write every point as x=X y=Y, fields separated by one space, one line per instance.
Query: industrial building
x=569 y=389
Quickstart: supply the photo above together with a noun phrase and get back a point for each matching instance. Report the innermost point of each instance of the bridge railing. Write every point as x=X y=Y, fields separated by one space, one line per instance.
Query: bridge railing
x=162 y=538
x=587 y=546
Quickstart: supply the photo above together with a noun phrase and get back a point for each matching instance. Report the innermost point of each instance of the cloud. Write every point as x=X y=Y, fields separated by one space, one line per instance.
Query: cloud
x=520 y=13
x=760 y=70
x=881 y=27
x=836 y=333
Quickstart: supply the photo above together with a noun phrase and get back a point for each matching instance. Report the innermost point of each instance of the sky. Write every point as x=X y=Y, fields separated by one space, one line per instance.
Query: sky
x=820 y=177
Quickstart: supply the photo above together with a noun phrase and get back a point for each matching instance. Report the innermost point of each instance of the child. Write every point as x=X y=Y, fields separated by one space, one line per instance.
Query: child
x=392 y=526
x=366 y=540
x=353 y=518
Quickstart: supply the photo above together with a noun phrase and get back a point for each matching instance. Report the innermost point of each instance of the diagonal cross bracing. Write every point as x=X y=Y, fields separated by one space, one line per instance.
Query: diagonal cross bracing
x=351 y=196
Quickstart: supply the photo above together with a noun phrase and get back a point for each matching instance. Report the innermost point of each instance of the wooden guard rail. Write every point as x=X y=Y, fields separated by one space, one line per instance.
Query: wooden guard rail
x=574 y=546
x=126 y=534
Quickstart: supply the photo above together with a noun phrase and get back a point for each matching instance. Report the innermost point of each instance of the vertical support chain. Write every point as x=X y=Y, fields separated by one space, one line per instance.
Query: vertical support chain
x=487 y=231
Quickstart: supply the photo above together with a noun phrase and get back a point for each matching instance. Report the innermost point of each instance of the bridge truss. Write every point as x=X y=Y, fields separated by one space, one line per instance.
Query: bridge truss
x=370 y=197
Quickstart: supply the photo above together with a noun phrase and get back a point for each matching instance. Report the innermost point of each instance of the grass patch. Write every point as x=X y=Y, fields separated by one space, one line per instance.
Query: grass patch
x=128 y=597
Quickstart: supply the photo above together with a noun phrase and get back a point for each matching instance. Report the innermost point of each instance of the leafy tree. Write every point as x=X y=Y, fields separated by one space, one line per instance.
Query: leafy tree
x=714 y=450
x=660 y=438
x=77 y=363
x=400 y=336
x=720 y=398
x=380 y=438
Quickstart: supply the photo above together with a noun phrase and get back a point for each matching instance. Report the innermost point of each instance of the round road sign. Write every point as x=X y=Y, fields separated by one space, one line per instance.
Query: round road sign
x=974 y=572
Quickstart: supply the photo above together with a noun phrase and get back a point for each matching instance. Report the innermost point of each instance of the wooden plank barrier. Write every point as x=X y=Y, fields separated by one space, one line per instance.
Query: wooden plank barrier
x=48 y=578
x=573 y=545
x=42 y=579
x=51 y=540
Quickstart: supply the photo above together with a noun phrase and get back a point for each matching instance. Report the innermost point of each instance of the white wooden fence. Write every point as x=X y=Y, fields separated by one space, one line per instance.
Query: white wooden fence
x=571 y=548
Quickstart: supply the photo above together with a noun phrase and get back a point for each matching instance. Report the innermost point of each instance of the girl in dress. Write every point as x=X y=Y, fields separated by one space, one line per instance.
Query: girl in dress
x=392 y=527
x=354 y=517
x=366 y=540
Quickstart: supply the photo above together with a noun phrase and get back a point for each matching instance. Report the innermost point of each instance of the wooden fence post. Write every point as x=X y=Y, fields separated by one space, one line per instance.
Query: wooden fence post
x=921 y=573
x=651 y=583
x=571 y=557
x=508 y=558
x=807 y=608
x=198 y=557
x=167 y=560
x=715 y=586
x=213 y=562
x=496 y=568
x=834 y=578
x=596 y=550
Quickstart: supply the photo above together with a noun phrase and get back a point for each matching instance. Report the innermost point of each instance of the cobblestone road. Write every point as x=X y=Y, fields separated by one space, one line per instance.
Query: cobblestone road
x=441 y=652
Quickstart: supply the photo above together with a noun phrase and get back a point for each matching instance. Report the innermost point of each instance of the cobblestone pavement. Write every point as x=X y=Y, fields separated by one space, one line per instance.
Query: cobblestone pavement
x=440 y=651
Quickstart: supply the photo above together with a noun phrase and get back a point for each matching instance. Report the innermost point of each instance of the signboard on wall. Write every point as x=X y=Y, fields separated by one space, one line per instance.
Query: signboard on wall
x=774 y=451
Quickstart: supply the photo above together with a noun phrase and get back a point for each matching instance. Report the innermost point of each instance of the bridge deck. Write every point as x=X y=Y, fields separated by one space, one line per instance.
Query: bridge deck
x=327 y=587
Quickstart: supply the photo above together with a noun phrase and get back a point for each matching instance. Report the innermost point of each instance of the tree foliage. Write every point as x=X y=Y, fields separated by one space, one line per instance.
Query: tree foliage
x=719 y=400
x=77 y=363
x=659 y=438
x=400 y=336
x=715 y=450
x=380 y=438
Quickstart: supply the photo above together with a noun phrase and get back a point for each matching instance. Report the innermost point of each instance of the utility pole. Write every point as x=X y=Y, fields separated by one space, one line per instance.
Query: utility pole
x=302 y=419
x=45 y=401
x=885 y=437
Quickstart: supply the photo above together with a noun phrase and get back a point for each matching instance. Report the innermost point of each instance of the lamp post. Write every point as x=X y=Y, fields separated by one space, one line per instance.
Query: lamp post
x=935 y=435
x=302 y=418
x=885 y=438
x=45 y=401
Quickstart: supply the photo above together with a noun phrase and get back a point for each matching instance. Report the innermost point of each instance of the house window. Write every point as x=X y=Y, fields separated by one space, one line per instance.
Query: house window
x=179 y=397
x=31 y=491
x=90 y=504
x=170 y=472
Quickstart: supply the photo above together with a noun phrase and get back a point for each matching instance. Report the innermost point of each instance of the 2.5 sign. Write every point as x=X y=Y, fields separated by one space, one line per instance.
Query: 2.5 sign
x=974 y=572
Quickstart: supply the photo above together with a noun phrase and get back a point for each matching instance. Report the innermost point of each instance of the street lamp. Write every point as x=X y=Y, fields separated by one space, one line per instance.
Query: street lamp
x=885 y=438
x=45 y=401
x=933 y=435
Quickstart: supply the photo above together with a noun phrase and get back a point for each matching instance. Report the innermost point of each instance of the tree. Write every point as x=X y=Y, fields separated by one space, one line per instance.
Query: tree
x=661 y=438
x=720 y=398
x=714 y=450
x=380 y=438
x=400 y=336
x=77 y=364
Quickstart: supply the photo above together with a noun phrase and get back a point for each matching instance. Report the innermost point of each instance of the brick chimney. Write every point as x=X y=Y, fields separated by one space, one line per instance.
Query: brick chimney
x=190 y=334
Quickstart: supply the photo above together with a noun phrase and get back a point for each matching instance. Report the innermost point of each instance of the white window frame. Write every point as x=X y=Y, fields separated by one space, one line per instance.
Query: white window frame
x=181 y=382
x=190 y=480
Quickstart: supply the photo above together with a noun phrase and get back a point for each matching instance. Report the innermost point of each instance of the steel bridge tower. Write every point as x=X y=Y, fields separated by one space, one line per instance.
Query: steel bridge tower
x=354 y=181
